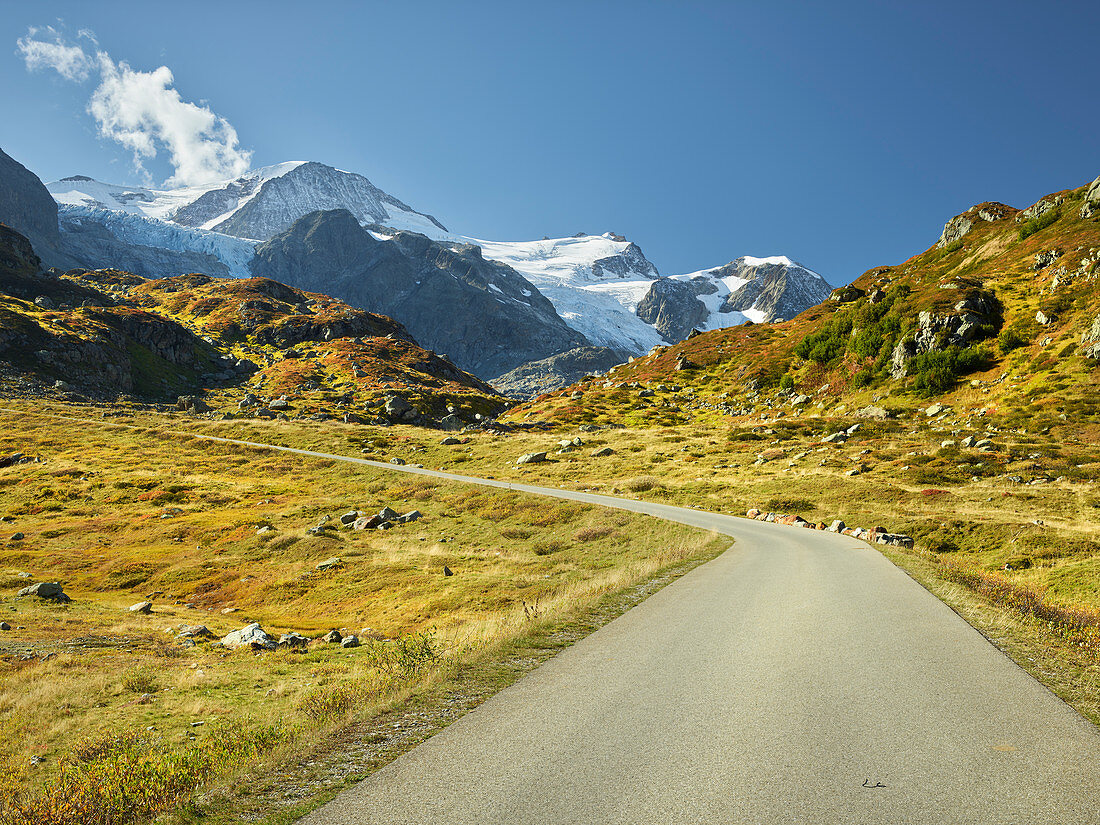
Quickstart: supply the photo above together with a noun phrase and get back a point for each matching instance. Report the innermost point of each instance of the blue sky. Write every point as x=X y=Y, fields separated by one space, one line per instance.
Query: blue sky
x=842 y=134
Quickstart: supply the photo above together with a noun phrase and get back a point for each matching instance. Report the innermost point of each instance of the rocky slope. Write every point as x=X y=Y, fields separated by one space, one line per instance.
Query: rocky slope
x=251 y=346
x=55 y=330
x=557 y=371
x=484 y=315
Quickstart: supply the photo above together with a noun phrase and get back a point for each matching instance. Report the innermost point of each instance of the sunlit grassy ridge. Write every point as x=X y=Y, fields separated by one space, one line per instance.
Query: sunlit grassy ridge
x=840 y=352
x=347 y=357
x=111 y=333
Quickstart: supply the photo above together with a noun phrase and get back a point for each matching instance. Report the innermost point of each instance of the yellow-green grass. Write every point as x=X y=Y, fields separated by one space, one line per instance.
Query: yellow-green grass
x=1047 y=534
x=119 y=515
x=972 y=516
x=957 y=502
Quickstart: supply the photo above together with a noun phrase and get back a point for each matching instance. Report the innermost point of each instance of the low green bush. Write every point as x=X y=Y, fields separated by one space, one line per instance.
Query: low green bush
x=1029 y=228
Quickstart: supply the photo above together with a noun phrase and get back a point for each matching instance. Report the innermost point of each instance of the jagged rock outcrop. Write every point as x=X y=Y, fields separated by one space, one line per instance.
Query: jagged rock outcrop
x=1091 y=206
x=630 y=263
x=955 y=229
x=846 y=294
x=776 y=291
x=482 y=314
x=1040 y=208
x=1090 y=340
x=971 y=318
x=673 y=306
x=557 y=371
x=28 y=207
x=960 y=225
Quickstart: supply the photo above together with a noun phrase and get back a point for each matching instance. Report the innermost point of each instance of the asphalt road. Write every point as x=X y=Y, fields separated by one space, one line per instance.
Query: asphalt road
x=798 y=678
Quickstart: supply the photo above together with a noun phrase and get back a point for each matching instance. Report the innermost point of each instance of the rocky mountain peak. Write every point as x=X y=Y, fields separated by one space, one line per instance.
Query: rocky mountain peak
x=26 y=205
x=990 y=211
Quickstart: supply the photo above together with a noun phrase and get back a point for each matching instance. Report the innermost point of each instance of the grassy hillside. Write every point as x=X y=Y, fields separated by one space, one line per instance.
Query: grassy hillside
x=107 y=333
x=997 y=313
x=970 y=370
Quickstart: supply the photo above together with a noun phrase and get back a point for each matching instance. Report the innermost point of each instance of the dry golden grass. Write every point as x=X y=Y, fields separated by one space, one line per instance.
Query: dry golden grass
x=520 y=557
x=120 y=514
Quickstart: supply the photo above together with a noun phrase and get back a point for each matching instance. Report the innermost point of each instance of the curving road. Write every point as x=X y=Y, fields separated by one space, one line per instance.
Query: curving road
x=798 y=678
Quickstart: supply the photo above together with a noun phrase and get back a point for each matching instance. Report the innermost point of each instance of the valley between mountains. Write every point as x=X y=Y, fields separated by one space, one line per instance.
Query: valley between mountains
x=210 y=630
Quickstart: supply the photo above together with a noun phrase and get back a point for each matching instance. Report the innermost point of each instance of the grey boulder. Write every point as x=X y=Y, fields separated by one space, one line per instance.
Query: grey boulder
x=252 y=636
x=46 y=590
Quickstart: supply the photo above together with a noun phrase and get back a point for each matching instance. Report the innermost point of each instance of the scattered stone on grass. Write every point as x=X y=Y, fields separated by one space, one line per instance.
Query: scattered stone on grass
x=252 y=636
x=195 y=631
x=46 y=590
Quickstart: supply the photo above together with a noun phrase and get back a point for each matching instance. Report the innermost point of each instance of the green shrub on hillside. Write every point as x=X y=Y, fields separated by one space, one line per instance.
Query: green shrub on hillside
x=1011 y=339
x=863 y=378
x=936 y=372
x=864 y=329
x=1029 y=228
x=828 y=343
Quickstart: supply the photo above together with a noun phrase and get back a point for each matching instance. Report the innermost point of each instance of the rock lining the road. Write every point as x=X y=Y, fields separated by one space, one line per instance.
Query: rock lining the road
x=875 y=535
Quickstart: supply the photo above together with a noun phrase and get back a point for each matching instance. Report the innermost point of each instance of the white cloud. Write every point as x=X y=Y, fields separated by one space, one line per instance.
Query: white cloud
x=47 y=49
x=143 y=112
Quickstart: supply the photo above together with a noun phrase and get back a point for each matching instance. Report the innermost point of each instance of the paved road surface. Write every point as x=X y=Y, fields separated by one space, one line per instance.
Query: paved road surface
x=771 y=685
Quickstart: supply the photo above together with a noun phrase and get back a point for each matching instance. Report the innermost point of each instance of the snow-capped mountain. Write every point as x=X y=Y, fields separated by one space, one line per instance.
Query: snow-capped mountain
x=256 y=205
x=602 y=287
x=138 y=230
x=593 y=281
x=746 y=289
x=481 y=313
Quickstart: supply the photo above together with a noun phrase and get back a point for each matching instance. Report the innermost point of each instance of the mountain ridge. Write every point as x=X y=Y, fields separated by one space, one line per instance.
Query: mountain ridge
x=594 y=283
